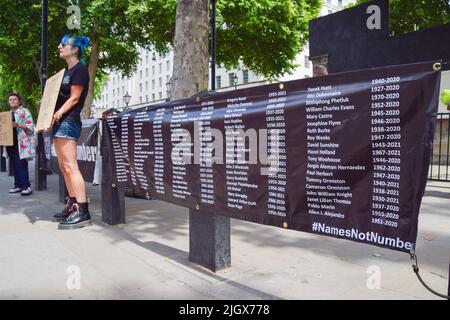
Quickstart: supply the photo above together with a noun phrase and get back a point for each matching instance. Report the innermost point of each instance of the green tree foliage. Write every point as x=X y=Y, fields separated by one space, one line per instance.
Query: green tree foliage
x=265 y=35
x=423 y=14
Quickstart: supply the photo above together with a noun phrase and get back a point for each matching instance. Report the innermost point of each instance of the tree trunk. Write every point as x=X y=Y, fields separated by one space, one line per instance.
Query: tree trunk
x=92 y=68
x=191 y=58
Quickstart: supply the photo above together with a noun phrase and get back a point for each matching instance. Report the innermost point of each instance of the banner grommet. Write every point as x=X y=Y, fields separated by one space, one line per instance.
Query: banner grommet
x=437 y=66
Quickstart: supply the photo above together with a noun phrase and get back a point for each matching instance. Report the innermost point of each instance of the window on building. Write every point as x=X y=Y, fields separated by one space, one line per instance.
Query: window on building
x=146 y=72
x=114 y=93
x=146 y=58
x=140 y=74
x=245 y=76
x=146 y=85
x=160 y=95
x=340 y=3
x=218 y=82
x=168 y=65
x=160 y=68
x=153 y=70
x=140 y=87
x=146 y=98
x=114 y=80
x=153 y=96
x=153 y=84
x=140 y=99
x=114 y=104
x=160 y=82
x=307 y=62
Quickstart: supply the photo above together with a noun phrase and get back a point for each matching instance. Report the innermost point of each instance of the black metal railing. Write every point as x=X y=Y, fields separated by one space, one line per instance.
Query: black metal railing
x=440 y=157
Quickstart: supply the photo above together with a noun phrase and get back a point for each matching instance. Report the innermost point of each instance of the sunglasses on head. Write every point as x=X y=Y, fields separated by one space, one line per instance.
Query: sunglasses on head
x=64 y=44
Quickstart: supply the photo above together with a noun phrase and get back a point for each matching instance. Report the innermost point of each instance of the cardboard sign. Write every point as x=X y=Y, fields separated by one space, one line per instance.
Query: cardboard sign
x=6 y=129
x=48 y=101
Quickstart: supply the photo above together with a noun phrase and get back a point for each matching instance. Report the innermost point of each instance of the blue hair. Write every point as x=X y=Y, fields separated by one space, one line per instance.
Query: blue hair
x=80 y=42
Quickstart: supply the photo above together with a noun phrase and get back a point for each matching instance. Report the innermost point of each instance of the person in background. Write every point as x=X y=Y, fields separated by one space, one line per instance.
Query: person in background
x=24 y=147
x=66 y=127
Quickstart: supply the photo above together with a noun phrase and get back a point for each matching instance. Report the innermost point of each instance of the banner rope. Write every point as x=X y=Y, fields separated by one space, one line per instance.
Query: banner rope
x=415 y=267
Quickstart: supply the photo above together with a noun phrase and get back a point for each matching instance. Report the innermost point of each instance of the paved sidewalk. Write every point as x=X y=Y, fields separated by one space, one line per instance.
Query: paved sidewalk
x=148 y=257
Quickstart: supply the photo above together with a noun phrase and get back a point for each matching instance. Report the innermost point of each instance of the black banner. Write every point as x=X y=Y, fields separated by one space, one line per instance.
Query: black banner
x=345 y=155
x=87 y=150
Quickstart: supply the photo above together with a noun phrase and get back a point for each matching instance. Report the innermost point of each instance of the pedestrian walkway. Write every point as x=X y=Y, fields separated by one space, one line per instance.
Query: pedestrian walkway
x=148 y=257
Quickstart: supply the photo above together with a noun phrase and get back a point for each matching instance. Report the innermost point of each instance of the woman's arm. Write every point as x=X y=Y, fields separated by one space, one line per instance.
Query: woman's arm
x=75 y=94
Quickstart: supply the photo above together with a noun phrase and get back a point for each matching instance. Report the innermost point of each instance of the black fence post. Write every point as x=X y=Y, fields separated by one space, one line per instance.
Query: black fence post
x=113 y=194
x=209 y=240
x=2 y=160
x=40 y=175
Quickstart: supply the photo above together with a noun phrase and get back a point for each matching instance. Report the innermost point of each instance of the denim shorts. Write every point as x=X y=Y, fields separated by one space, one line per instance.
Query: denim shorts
x=67 y=130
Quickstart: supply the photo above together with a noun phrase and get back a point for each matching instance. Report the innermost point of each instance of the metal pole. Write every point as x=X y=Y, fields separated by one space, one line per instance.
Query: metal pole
x=40 y=175
x=44 y=42
x=213 y=45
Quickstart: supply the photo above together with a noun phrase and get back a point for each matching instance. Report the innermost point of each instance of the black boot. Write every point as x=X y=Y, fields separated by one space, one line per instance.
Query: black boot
x=66 y=211
x=80 y=217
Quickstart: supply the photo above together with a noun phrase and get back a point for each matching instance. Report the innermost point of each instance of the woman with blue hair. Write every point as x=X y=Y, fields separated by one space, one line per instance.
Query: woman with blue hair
x=67 y=129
